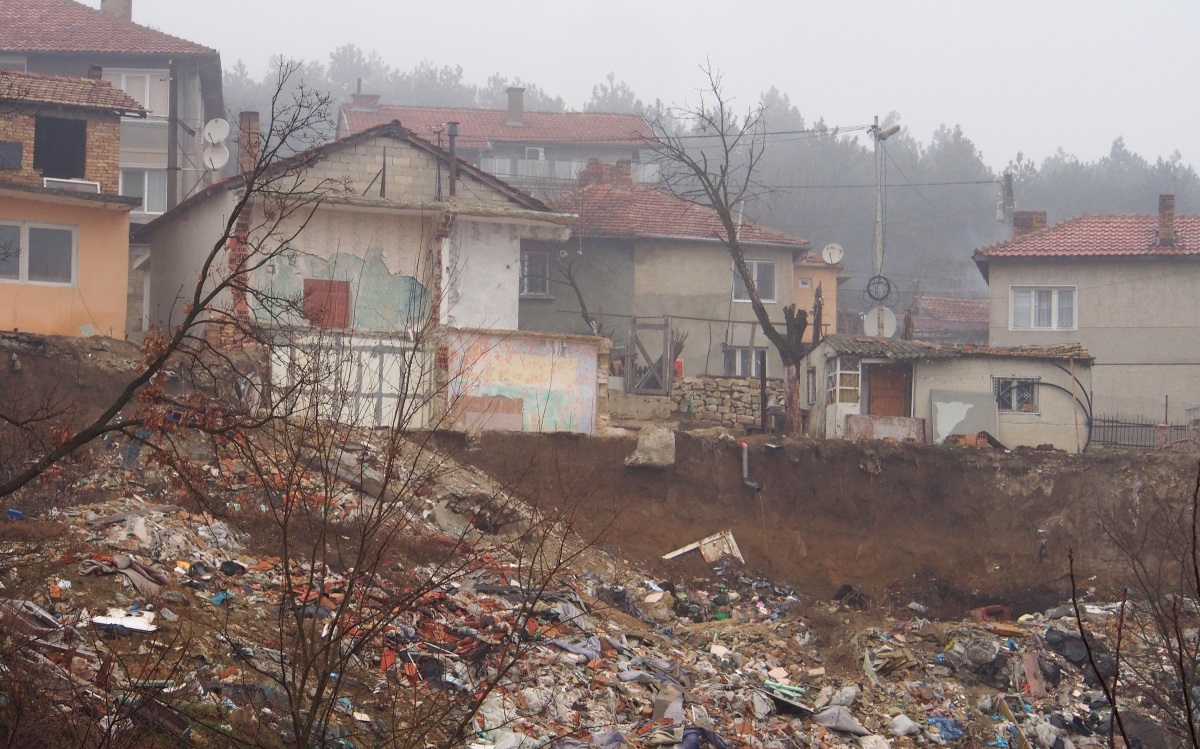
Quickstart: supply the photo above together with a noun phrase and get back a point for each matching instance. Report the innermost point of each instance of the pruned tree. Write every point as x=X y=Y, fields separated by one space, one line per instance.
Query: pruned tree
x=715 y=162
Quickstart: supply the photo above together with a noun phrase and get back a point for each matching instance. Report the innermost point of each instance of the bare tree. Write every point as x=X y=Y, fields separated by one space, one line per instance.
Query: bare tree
x=714 y=162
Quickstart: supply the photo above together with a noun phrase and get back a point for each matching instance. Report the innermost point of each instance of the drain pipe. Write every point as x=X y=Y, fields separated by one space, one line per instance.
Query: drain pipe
x=746 y=467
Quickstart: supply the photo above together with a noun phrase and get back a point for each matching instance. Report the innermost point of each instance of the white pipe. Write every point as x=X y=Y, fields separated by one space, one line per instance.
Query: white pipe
x=746 y=467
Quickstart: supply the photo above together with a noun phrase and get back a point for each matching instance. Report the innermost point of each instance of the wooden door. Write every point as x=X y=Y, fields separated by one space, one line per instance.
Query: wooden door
x=888 y=389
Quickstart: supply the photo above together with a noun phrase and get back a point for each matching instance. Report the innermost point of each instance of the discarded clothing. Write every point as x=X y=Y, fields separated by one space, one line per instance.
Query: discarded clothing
x=149 y=582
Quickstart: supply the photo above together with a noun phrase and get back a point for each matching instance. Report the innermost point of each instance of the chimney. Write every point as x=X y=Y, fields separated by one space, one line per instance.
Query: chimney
x=118 y=10
x=516 y=106
x=249 y=141
x=622 y=174
x=591 y=174
x=361 y=102
x=96 y=72
x=1166 y=220
x=1028 y=222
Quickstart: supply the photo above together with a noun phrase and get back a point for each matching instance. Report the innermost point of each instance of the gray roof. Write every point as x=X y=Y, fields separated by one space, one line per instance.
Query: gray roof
x=902 y=350
x=888 y=348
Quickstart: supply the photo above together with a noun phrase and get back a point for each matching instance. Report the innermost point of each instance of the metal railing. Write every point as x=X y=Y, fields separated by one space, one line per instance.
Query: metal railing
x=1138 y=432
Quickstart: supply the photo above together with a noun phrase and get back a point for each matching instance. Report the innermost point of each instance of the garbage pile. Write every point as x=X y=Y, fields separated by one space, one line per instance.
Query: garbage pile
x=608 y=655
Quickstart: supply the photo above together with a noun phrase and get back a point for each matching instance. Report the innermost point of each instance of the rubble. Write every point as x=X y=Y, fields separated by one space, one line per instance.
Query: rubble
x=610 y=654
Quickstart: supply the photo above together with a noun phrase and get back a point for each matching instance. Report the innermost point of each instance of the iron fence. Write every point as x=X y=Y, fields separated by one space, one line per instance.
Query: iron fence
x=1140 y=433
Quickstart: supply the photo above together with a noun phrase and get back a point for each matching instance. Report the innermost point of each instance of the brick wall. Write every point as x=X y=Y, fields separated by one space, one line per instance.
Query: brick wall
x=103 y=150
x=733 y=401
x=19 y=127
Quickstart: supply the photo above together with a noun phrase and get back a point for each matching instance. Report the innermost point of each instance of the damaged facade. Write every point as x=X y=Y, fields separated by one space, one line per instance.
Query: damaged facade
x=384 y=265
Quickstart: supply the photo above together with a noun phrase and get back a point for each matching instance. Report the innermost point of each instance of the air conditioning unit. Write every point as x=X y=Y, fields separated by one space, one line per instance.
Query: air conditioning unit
x=70 y=185
x=535 y=154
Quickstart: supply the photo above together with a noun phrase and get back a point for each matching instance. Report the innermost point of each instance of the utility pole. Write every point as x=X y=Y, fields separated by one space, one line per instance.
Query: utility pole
x=880 y=137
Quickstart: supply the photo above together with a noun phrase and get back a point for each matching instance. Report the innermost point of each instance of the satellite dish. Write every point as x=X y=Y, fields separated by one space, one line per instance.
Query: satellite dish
x=832 y=253
x=216 y=131
x=871 y=322
x=216 y=156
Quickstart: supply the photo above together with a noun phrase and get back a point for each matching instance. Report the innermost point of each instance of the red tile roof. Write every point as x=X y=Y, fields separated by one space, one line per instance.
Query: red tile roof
x=67 y=26
x=479 y=127
x=950 y=309
x=1101 y=235
x=643 y=211
x=72 y=92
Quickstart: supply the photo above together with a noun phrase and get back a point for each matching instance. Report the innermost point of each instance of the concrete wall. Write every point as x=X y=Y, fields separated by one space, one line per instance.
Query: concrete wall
x=604 y=270
x=694 y=279
x=1059 y=421
x=521 y=381
x=96 y=303
x=177 y=251
x=1135 y=317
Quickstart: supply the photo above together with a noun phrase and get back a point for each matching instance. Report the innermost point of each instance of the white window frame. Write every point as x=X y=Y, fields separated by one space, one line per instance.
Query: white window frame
x=843 y=379
x=23 y=260
x=752 y=266
x=1035 y=387
x=145 y=170
x=148 y=73
x=1054 y=322
x=525 y=293
x=739 y=361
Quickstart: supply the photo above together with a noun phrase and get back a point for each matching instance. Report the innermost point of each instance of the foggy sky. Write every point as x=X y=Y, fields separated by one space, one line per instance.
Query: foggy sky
x=1017 y=75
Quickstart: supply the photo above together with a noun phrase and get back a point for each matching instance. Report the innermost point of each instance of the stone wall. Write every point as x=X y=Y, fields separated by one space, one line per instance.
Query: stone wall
x=733 y=401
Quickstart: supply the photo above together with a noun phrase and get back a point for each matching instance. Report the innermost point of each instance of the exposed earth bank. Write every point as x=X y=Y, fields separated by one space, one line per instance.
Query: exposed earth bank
x=950 y=527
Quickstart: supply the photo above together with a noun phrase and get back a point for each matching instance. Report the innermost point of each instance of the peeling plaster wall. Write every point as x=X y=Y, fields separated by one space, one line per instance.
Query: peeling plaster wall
x=384 y=256
x=532 y=382
x=482 y=268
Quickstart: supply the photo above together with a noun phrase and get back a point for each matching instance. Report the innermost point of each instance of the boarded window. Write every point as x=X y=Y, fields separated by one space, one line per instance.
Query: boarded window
x=10 y=154
x=327 y=303
x=60 y=147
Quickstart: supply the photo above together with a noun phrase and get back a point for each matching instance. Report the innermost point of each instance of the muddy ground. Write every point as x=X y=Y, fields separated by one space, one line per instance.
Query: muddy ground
x=950 y=527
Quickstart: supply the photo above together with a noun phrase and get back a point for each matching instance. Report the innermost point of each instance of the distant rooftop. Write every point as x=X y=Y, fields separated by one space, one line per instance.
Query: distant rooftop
x=479 y=128
x=952 y=309
x=611 y=204
x=904 y=350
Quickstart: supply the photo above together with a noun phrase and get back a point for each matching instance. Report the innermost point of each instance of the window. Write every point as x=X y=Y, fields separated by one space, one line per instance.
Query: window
x=810 y=386
x=1043 y=308
x=38 y=253
x=1016 y=395
x=11 y=153
x=762 y=273
x=535 y=273
x=841 y=380
x=12 y=62
x=804 y=283
x=150 y=88
x=743 y=361
x=327 y=303
x=60 y=147
x=150 y=185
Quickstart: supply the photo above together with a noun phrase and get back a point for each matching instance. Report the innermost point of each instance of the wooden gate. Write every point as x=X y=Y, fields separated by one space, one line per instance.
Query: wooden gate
x=649 y=364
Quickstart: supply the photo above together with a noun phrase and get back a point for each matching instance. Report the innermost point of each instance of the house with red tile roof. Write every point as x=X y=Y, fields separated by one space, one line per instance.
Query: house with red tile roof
x=64 y=229
x=637 y=251
x=950 y=319
x=1121 y=285
x=177 y=82
x=541 y=152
